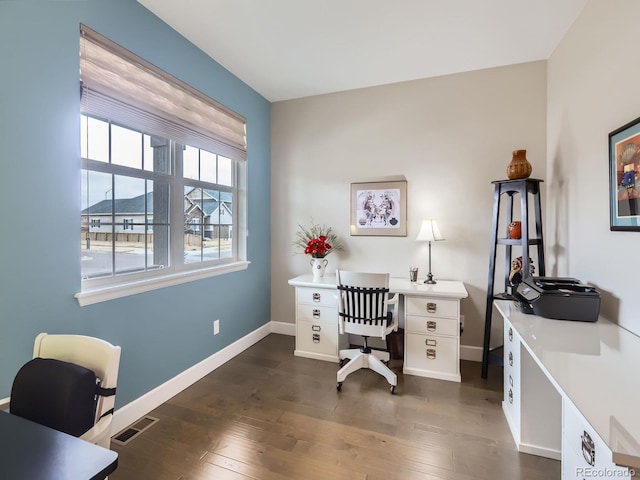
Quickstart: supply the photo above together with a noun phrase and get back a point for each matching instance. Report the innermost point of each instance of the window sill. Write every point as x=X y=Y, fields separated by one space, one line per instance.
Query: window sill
x=103 y=294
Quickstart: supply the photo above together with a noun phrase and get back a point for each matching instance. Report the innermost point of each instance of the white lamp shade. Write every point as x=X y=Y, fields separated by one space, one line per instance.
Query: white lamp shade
x=429 y=232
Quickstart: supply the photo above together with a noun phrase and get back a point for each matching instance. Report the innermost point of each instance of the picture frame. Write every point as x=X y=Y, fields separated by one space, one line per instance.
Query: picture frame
x=379 y=208
x=624 y=177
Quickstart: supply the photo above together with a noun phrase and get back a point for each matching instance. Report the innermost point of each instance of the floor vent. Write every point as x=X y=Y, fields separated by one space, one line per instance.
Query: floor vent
x=129 y=433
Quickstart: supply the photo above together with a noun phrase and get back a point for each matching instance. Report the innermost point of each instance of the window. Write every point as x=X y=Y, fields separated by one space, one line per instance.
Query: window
x=162 y=189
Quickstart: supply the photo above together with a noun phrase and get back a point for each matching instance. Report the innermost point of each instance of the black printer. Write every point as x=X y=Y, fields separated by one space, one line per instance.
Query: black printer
x=559 y=298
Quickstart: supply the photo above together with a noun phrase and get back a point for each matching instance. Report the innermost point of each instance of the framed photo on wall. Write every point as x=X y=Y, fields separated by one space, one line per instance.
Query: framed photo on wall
x=379 y=208
x=624 y=177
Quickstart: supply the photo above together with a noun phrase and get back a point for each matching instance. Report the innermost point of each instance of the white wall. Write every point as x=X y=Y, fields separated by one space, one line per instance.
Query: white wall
x=592 y=90
x=448 y=136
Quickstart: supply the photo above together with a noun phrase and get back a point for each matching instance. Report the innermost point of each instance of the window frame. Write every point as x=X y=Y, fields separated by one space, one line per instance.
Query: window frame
x=116 y=285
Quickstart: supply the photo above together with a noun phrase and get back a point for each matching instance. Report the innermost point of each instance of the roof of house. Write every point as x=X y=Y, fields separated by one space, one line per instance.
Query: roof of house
x=136 y=205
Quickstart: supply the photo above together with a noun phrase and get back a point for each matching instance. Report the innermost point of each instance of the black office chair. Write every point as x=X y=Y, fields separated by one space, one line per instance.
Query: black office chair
x=363 y=309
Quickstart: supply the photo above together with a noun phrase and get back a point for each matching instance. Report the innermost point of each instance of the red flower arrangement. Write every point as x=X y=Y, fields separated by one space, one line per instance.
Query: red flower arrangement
x=318 y=247
x=317 y=241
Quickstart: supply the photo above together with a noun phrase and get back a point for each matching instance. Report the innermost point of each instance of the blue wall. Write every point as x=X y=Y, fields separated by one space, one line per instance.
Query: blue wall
x=163 y=332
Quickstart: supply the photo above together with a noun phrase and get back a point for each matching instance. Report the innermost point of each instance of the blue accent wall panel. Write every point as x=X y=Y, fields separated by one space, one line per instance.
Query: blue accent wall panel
x=162 y=332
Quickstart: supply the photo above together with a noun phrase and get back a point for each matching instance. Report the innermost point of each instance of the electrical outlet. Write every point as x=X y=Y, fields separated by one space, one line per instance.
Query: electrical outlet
x=216 y=327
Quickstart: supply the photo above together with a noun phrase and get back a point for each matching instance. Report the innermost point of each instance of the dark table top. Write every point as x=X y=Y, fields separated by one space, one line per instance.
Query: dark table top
x=29 y=451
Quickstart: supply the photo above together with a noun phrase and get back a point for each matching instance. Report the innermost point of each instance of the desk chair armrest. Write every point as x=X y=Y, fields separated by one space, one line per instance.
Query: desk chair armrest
x=100 y=433
x=340 y=319
x=393 y=301
x=4 y=403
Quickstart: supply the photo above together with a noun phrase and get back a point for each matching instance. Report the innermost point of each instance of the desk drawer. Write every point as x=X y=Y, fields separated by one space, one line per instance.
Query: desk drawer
x=432 y=307
x=317 y=337
x=317 y=296
x=430 y=352
x=584 y=448
x=512 y=358
x=432 y=325
x=317 y=313
x=511 y=402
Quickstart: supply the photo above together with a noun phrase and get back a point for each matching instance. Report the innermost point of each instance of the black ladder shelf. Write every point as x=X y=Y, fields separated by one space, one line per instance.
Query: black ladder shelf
x=523 y=187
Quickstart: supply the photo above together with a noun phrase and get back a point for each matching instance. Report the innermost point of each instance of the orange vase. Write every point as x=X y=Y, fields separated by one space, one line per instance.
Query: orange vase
x=519 y=166
x=514 y=230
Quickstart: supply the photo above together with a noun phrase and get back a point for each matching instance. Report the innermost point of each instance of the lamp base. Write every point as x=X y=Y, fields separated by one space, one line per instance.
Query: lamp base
x=430 y=279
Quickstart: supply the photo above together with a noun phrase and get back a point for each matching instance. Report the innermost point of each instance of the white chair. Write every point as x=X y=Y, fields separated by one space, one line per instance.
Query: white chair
x=363 y=309
x=94 y=354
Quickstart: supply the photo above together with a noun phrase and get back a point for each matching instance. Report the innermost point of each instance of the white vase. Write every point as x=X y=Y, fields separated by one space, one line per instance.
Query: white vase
x=318 y=265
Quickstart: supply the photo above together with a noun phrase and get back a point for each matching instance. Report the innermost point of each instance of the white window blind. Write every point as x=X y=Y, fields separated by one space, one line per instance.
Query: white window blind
x=120 y=86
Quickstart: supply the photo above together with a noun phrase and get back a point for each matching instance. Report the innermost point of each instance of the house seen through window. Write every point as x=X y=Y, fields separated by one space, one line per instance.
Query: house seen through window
x=133 y=185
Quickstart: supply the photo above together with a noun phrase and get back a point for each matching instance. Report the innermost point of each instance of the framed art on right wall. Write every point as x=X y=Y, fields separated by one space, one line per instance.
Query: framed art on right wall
x=624 y=177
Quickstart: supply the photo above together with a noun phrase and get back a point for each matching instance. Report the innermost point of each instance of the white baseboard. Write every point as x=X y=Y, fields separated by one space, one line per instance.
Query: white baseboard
x=283 y=328
x=132 y=411
x=540 y=451
x=468 y=352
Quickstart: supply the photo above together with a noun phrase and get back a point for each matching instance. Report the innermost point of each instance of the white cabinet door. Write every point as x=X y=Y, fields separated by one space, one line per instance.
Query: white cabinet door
x=319 y=338
x=584 y=453
x=431 y=355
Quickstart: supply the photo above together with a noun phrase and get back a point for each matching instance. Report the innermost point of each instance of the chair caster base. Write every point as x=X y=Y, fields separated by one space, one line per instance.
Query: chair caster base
x=392 y=389
x=339 y=386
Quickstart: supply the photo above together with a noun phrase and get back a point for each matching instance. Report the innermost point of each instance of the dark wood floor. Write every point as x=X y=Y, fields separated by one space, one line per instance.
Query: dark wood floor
x=269 y=415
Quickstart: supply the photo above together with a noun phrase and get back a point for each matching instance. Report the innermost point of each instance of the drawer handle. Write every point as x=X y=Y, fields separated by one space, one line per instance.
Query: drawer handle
x=316 y=328
x=316 y=313
x=588 y=449
x=431 y=307
x=316 y=297
x=431 y=326
x=316 y=338
x=431 y=353
x=510 y=396
x=511 y=334
x=510 y=359
x=430 y=342
x=510 y=380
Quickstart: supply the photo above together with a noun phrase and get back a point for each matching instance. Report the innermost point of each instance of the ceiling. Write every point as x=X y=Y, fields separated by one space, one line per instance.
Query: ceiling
x=288 y=49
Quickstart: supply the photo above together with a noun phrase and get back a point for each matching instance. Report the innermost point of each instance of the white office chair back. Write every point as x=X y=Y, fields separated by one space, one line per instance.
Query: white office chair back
x=363 y=300
x=95 y=354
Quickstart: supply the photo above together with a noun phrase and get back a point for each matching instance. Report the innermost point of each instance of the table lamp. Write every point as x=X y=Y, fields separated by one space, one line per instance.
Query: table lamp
x=429 y=232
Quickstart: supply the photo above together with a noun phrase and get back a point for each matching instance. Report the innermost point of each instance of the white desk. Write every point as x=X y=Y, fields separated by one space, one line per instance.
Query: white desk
x=565 y=379
x=431 y=319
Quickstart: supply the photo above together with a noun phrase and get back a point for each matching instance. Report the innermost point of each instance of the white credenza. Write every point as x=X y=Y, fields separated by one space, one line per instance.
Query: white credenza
x=431 y=321
x=570 y=393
